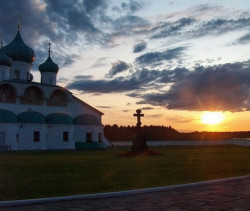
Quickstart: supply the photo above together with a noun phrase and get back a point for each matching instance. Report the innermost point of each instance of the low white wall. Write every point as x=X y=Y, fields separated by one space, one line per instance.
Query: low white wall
x=55 y=137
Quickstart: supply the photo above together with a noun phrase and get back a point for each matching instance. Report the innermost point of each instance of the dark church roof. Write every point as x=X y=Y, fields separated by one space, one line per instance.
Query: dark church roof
x=18 y=50
x=4 y=59
x=48 y=66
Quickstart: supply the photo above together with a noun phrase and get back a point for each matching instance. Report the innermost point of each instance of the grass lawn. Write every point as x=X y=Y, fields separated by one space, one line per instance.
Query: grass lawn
x=26 y=175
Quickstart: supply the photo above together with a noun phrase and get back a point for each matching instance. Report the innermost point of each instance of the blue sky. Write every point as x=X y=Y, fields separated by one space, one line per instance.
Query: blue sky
x=173 y=59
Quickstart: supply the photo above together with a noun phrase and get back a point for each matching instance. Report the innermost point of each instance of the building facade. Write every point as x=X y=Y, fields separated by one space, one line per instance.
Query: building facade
x=42 y=115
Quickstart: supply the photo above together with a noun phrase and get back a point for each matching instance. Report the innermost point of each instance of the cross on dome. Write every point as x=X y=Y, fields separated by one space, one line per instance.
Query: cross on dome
x=19 y=22
x=49 y=44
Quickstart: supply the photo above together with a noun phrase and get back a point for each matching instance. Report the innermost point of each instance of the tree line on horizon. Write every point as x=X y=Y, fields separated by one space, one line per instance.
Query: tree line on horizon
x=153 y=133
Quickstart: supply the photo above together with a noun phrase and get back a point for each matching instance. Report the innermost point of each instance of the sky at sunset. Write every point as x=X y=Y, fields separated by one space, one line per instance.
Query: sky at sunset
x=174 y=59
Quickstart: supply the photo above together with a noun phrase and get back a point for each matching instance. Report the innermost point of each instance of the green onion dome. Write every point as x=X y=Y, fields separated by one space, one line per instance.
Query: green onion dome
x=86 y=119
x=7 y=116
x=31 y=117
x=18 y=50
x=4 y=59
x=48 y=66
x=59 y=118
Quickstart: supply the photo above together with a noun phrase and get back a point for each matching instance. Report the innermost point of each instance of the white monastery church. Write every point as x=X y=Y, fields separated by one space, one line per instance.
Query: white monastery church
x=42 y=116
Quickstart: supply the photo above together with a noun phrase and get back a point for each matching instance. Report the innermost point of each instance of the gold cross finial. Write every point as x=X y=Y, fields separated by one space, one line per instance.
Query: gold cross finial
x=19 y=22
x=49 y=44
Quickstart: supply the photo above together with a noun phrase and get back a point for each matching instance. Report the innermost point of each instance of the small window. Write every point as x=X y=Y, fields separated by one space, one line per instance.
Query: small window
x=88 y=137
x=17 y=74
x=36 y=136
x=17 y=137
x=100 y=137
x=65 y=136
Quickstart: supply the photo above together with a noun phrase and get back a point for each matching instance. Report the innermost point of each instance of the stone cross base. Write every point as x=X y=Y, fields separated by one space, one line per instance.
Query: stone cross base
x=139 y=143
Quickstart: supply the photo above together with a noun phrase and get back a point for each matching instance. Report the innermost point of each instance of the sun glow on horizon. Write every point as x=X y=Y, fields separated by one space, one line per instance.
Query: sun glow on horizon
x=212 y=118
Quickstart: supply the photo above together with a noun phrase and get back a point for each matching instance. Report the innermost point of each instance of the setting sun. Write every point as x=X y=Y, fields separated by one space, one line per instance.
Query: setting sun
x=212 y=118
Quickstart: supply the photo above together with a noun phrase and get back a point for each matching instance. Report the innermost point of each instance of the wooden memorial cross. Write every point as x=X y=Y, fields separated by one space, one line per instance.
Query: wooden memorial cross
x=138 y=115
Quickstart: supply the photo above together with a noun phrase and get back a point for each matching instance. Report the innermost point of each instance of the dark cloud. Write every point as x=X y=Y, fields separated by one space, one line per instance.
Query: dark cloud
x=104 y=107
x=123 y=26
x=165 y=29
x=125 y=111
x=84 y=77
x=173 y=76
x=155 y=116
x=137 y=81
x=139 y=47
x=218 y=26
x=72 y=16
x=190 y=27
x=147 y=108
x=101 y=62
x=34 y=21
x=55 y=19
x=68 y=60
x=129 y=23
x=118 y=67
x=95 y=5
x=62 y=79
x=171 y=3
x=117 y=85
x=180 y=119
x=224 y=87
x=244 y=40
x=156 y=57
x=132 y=6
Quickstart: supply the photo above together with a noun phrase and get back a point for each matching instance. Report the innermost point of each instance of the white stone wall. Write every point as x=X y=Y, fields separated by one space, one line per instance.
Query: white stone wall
x=10 y=134
x=54 y=137
x=74 y=107
x=48 y=78
x=82 y=130
x=22 y=67
x=51 y=136
x=26 y=137
x=4 y=72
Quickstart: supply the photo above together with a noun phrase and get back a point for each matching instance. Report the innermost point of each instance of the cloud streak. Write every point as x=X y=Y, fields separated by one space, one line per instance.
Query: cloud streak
x=218 y=88
x=118 y=67
x=139 y=47
x=158 y=57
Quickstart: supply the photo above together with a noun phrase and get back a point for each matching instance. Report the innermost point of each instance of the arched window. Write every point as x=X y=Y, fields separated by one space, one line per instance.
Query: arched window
x=7 y=94
x=32 y=95
x=58 y=98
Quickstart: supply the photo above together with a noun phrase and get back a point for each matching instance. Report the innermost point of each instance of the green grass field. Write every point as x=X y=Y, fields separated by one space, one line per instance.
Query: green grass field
x=26 y=175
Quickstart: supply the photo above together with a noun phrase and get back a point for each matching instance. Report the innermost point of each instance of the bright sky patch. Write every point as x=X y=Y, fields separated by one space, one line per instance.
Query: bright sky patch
x=212 y=118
